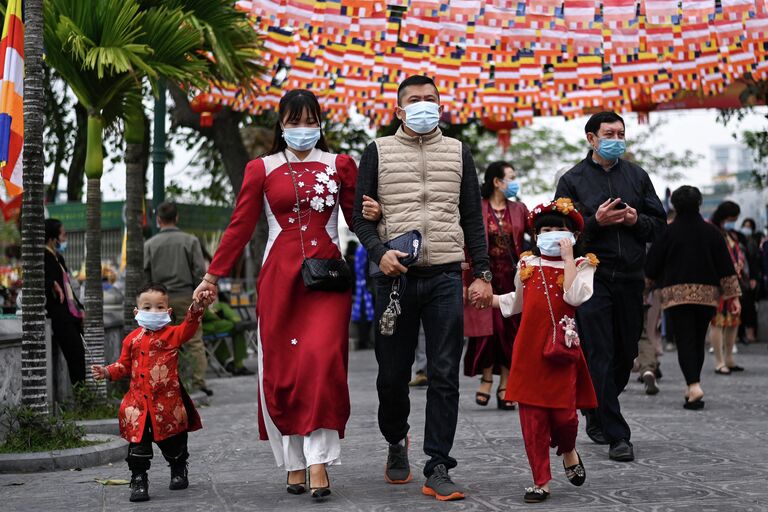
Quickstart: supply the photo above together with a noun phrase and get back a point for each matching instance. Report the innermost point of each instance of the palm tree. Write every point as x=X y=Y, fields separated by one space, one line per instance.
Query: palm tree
x=104 y=49
x=224 y=33
x=33 y=359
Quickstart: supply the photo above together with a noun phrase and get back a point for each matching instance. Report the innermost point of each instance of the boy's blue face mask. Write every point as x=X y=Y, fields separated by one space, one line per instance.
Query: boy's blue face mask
x=549 y=242
x=152 y=320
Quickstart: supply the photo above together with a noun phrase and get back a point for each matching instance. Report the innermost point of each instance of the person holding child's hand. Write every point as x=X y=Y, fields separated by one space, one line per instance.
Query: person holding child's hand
x=156 y=407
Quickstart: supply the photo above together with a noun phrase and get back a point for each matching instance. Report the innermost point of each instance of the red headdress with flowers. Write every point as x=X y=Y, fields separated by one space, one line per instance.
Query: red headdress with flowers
x=563 y=206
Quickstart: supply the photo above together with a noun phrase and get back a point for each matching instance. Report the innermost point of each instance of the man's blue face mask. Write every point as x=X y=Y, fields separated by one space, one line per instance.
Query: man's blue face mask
x=611 y=149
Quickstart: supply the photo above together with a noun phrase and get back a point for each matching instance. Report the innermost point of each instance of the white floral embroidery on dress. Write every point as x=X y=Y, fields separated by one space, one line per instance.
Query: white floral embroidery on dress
x=332 y=187
x=317 y=203
x=314 y=242
x=330 y=201
x=304 y=228
x=319 y=189
x=294 y=341
x=322 y=177
x=301 y=183
x=291 y=220
x=330 y=170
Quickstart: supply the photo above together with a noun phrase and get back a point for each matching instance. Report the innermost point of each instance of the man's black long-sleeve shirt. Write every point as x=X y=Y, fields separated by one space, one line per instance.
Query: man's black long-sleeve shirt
x=470 y=211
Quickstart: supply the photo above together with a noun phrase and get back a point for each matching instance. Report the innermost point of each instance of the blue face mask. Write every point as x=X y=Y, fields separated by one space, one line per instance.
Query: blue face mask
x=512 y=189
x=301 y=139
x=422 y=117
x=747 y=231
x=62 y=246
x=730 y=226
x=611 y=149
x=549 y=242
x=153 y=321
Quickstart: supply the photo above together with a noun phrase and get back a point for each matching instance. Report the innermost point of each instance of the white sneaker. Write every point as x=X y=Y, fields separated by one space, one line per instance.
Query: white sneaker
x=735 y=350
x=711 y=350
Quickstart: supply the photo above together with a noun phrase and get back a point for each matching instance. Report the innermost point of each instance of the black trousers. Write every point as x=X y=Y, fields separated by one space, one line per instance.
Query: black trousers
x=435 y=302
x=66 y=335
x=610 y=324
x=140 y=454
x=689 y=323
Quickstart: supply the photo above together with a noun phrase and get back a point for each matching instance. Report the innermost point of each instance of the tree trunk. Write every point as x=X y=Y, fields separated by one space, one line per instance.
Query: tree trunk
x=77 y=165
x=34 y=390
x=94 y=294
x=134 y=196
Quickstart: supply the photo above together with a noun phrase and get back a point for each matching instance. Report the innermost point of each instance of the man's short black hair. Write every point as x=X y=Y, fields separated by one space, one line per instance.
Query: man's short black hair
x=151 y=287
x=414 y=80
x=686 y=199
x=167 y=212
x=593 y=125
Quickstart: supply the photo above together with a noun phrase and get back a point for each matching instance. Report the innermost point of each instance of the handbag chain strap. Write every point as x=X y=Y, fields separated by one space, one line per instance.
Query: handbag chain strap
x=549 y=303
x=298 y=204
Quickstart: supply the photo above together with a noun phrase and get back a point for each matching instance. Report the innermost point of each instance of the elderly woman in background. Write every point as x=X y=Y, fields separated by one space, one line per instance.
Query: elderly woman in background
x=692 y=264
x=491 y=335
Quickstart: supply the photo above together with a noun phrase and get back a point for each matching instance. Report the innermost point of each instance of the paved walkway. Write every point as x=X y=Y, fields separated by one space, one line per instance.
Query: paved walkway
x=713 y=460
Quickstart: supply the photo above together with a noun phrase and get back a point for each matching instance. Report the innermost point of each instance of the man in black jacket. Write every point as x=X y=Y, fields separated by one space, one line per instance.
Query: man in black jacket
x=622 y=213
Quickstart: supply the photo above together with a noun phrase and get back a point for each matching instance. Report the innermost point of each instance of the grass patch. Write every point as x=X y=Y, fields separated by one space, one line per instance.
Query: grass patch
x=29 y=431
x=88 y=405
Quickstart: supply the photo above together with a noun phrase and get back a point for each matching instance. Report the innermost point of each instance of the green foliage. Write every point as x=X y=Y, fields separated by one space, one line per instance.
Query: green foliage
x=655 y=158
x=88 y=405
x=29 y=431
x=755 y=93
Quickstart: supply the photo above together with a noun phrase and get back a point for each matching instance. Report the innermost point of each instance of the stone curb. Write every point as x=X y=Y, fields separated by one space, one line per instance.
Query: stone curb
x=104 y=426
x=112 y=450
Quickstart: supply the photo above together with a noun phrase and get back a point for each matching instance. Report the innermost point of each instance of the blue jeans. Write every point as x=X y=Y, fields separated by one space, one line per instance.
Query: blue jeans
x=436 y=303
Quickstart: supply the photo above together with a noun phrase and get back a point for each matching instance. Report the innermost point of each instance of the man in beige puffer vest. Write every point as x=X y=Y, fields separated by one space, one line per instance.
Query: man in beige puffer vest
x=426 y=182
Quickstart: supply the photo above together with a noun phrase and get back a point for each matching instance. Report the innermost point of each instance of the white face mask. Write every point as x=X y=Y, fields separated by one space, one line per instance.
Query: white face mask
x=301 y=139
x=549 y=242
x=152 y=320
x=422 y=117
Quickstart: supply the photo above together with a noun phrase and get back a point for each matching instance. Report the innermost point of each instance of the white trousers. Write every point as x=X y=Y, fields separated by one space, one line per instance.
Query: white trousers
x=295 y=452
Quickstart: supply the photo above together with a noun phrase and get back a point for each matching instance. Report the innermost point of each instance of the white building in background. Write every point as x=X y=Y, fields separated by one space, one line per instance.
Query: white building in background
x=732 y=179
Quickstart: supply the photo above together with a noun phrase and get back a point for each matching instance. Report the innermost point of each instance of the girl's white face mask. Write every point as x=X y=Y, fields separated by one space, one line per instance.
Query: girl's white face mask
x=549 y=242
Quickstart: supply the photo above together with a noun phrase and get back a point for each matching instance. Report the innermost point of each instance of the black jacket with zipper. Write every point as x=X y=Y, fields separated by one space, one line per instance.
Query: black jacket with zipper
x=620 y=249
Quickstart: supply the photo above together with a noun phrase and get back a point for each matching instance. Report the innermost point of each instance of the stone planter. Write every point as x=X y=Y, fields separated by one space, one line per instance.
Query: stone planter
x=111 y=449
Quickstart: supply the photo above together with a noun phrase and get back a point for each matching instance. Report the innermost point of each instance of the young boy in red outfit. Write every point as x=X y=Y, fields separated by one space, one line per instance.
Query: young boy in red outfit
x=156 y=406
x=548 y=376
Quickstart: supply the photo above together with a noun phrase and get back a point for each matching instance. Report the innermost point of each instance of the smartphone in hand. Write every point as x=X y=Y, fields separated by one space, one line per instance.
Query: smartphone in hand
x=621 y=206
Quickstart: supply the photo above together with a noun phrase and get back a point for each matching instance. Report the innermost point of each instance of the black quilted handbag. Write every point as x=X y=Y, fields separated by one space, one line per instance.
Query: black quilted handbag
x=328 y=275
x=321 y=274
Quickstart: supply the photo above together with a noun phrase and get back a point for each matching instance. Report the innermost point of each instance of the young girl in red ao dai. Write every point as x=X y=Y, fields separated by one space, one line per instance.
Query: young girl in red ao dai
x=549 y=376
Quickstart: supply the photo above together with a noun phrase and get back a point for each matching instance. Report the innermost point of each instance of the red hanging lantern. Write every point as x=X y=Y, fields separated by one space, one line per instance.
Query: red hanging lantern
x=503 y=130
x=205 y=105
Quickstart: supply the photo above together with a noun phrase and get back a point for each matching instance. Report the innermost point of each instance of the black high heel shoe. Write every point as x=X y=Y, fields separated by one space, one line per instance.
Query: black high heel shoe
x=319 y=493
x=502 y=404
x=295 y=488
x=483 y=398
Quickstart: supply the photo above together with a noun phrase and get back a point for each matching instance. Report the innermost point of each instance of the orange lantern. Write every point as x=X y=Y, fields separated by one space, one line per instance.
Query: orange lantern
x=205 y=105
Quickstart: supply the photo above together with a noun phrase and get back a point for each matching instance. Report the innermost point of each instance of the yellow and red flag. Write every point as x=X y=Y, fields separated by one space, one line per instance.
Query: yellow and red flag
x=12 y=98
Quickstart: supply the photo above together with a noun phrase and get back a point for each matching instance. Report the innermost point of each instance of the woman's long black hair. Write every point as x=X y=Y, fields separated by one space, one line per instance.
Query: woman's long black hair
x=723 y=211
x=292 y=105
x=494 y=170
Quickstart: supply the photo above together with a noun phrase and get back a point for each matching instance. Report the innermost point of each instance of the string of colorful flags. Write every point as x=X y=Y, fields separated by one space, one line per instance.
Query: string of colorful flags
x=503 y=60
x=11 y=100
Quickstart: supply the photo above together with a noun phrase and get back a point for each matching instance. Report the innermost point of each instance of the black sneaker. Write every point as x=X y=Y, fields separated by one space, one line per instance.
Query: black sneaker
x=535 y=495
x=622 y=451
x=179 y=478
x=398 y=471
x=440 y=485
x=139 y=487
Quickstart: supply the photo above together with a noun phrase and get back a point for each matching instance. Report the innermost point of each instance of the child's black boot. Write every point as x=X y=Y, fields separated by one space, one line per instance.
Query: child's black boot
x=179 y=478
x=139 y=487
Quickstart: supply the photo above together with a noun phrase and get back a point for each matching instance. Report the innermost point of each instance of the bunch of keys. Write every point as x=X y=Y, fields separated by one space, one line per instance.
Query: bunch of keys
x=388 y=321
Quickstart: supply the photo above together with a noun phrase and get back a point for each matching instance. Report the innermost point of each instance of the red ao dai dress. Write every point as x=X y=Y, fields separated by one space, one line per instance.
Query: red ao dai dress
x=302 y=334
